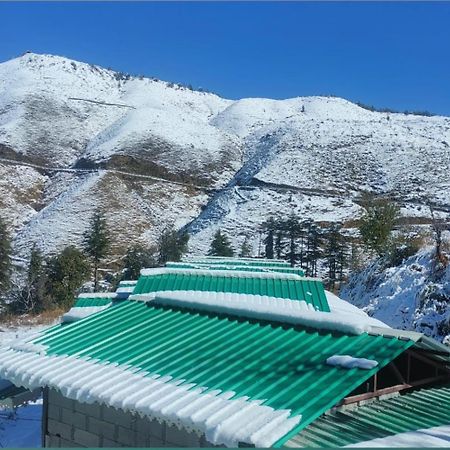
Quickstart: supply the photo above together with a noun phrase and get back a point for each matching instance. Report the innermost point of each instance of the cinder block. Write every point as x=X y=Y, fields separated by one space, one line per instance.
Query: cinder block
x=70 y=444
x=155 y=442
x=93 y=409
x=181 y=438
x=58 y=399
x=85 y=438
x=126 y=436
x=148 y=427
x=117 y=417
x=54 y=412
x=141 y=440
x=52 y=441
x=109 y=443
x=101 y=427
x=77 y=419
x=60 y=429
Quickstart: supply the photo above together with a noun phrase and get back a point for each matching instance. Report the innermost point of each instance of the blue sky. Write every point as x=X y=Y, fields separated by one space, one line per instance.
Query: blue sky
x=387 y=54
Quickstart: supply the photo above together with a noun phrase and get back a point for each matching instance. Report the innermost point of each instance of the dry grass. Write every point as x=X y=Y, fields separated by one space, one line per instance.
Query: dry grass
x=44 y=318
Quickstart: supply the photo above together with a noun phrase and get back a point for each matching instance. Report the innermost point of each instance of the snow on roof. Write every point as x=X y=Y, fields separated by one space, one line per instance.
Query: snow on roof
x=282 y=310
x=77 y=313
x=223 y=273
x=221 y=417
x=98 y=295
x=125 y=290
x=350 y=362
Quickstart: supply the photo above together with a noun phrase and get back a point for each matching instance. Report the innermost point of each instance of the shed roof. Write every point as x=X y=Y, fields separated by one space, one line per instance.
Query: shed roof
x=243 y=282
x=276 y=370
x=253 y=268
x=425 y=408
x=259 y=262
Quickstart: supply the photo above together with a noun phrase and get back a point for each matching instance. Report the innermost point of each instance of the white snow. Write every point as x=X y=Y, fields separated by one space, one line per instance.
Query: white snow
x=411 y=296
x=223 y=273
x=217 y=414
x=350 y=362
x=77 y=313
x=111 y=295
x=263 y=307
x=423 y=438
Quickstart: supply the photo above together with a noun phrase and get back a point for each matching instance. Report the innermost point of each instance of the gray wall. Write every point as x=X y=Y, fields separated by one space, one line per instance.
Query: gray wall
x=68 y=423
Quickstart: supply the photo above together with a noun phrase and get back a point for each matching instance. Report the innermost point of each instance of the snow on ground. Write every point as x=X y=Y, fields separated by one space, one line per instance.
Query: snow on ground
x=22 y=427
x=428 y=437
x=411 y=296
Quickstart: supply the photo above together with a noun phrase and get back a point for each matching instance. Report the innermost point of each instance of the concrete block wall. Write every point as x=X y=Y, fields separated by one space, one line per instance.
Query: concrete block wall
x=73 y=424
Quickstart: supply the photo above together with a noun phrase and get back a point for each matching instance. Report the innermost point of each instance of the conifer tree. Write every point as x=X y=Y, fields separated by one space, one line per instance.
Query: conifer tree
x=246 y=249
x=220 y=245
x=314 y=251
x=137 y=258
x=5 y=257
x=96 y=243
x=66 y=273
x=279 y=244
x=336 y=253
x=172 y=245
x=269 y=227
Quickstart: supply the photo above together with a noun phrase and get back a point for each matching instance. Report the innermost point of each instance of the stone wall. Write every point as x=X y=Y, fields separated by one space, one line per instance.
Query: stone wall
x=68 y=423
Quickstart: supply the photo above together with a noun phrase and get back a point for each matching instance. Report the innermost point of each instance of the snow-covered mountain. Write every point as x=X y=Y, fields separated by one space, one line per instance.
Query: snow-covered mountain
x=412 y=296
x=75 y=137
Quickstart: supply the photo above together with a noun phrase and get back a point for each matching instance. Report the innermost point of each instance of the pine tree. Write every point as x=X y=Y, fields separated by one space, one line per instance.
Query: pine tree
x=5 y=257
x=96 y=243
x=279 y=244
x=269 y=226
x=66 y=273
x=336 y=253
x=314 y=251
x=292 y=227
x=246 y=249
x=220 y=245
x=172 y=245
x=137 y=258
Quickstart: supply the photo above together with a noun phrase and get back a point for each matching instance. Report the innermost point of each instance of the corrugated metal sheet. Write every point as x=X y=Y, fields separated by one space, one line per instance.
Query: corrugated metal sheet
x=284 y=365
x=309 y=290
x=424 y=408
x=238 y=261
x=254 y=268
x=92 y=301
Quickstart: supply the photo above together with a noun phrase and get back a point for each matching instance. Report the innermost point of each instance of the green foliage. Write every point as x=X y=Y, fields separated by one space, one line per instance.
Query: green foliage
x=336 y=253
x=5 y=257
x=220 y=245
x=66 y=273
x=172 y=245
x=137 y=258
x=377 y=224
x=96 y=242
x=269 y=226
x=246 y=249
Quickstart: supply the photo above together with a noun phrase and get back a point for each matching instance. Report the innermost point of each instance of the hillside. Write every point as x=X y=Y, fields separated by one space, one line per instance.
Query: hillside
x=412 y=296
x=75 y=137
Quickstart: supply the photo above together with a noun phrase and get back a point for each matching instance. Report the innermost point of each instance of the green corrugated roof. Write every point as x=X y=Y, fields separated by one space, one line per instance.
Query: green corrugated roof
x=238 y=261
x=254 y=268
x=307 y=289
x=424 y=408
x=93 y=301
x=280 y=364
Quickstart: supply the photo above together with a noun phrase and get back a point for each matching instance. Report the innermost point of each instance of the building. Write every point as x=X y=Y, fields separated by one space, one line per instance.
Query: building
x=199 y=356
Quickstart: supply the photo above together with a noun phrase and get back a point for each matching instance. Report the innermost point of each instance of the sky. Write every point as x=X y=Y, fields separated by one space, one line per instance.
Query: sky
x=394 y=55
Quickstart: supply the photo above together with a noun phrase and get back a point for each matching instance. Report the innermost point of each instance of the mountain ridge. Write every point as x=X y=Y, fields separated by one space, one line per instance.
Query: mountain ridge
x=150 y=153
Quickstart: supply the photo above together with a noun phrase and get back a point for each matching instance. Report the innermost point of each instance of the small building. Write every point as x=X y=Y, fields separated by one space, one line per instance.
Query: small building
x=203 y=357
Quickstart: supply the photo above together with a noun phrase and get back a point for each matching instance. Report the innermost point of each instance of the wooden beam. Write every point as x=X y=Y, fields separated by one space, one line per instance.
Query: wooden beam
x=426 y=360
x=394 y=368
x=392 y=389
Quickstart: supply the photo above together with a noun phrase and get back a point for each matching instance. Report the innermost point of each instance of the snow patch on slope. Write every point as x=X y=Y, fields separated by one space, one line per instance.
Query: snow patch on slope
x=413 y=296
